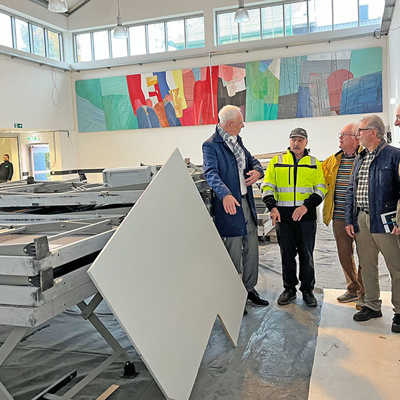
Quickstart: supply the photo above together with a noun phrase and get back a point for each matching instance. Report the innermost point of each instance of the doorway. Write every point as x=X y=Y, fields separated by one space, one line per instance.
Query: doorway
x=9 y=145
x=40 y=161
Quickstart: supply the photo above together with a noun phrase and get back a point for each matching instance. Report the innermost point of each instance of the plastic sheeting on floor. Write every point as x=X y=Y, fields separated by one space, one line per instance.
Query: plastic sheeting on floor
x=273 y=359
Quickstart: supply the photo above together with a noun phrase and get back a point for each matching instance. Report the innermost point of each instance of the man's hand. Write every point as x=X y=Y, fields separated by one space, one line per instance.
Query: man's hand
x=396 y=230
x=299 y=212
x=350 y=230
x=275 y=216
x=230 y=204
x=254 y=176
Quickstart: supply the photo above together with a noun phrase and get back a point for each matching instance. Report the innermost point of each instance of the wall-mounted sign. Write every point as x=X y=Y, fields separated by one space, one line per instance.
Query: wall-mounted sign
x=33 y=138
x=17 y=125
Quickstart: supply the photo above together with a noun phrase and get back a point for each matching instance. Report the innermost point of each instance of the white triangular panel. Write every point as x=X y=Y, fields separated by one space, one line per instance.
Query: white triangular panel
x=166 y=275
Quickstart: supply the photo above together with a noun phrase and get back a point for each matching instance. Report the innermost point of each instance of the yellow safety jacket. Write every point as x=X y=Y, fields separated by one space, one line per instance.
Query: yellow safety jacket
x=330 y=167
x=290 y=183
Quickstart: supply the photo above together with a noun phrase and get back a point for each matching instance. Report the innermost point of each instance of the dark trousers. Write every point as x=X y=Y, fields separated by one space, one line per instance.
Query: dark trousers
x=297 y=238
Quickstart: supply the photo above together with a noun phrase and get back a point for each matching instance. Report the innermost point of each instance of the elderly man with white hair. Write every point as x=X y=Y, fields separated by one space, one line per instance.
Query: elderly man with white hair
x=373 y=193
x=230 y=171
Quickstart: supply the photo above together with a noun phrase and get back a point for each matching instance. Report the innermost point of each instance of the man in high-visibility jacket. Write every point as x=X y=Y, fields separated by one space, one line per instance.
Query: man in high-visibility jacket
x=293 y=187
x=337 y=171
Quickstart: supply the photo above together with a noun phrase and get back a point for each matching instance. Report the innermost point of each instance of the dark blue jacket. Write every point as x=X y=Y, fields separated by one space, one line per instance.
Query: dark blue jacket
x=221 y=173
x=383 y=187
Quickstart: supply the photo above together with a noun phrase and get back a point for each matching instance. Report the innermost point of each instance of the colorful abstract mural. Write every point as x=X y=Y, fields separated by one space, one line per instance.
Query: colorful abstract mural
x=336 y=83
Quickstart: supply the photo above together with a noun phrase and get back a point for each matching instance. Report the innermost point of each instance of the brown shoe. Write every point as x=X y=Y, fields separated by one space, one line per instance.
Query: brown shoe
x=347 y=297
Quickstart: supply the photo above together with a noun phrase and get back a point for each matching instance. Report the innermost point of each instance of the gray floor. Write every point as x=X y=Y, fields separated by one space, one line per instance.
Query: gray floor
x=273 y=360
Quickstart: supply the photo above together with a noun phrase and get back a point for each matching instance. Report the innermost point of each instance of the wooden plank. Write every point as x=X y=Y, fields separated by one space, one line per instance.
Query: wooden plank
x=355 y=360
x=167 y=300
x=108 y=392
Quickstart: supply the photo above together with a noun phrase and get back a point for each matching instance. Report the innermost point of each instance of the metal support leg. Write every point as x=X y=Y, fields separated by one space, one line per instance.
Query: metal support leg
x=11 y=343
x=87 y=311
x=6 y=349
x=89 y=377
x=4 y=393
x=104 y=332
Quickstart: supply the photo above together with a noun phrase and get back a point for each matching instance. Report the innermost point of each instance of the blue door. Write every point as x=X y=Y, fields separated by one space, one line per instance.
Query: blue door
x=40 y=161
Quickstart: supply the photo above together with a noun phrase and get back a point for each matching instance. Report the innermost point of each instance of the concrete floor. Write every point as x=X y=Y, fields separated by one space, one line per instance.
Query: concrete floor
x=273 y=360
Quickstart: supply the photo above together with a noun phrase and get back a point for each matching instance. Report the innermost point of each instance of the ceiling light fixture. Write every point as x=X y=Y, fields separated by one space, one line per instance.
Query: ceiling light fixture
x=241 y=14
x=58 y=6
x=120 y=31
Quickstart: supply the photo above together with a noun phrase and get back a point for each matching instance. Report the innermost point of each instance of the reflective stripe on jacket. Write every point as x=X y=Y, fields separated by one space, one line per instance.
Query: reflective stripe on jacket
x=292 y=183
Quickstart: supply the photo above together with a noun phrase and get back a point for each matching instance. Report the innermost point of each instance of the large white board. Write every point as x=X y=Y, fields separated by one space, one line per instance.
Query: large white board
x=166 y=275
x=353 y=360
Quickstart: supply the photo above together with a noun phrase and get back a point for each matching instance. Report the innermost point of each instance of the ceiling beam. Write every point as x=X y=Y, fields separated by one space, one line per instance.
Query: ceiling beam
x=76 y=7
x=43 y=3
x=387 y=16
x=71 y=10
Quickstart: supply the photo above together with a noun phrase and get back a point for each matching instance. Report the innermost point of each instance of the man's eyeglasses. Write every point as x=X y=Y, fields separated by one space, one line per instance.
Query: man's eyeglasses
x=363 y=129
x=340 y=134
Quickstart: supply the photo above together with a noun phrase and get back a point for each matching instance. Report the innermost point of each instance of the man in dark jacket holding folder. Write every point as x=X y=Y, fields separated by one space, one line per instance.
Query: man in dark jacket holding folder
x=371 y=203
x=230 y=171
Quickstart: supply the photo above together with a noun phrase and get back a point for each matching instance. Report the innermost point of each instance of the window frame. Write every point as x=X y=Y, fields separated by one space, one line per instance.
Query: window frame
x=164 y=21
x=282 y=4
x=30 y=34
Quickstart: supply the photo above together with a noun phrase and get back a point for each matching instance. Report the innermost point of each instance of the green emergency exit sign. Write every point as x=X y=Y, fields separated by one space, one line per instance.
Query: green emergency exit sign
x=17 y=125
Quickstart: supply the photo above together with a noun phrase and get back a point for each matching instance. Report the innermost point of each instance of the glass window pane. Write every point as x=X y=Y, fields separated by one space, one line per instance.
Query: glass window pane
x=345 y=14
x=371 y=12
x=5 y=30
x=195 y=32
x=296 y=18
x=227 y=28
x=176 y=35
x=101 y=47
x=54 y=45
x=156 y=37
x=21 y=28
x=38 y=41
x=251 y=30
x=137 y=37
x=320 y=15
x=272 y=22
x=119 y=47
x=83 y=47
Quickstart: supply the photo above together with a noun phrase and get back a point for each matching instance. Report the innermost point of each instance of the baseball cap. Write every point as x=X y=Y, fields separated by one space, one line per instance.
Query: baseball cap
x=298 y=132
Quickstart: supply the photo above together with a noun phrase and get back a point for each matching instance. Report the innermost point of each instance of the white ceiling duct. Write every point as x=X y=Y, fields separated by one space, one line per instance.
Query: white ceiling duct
x=120 y=31
x=241 y=14
x=58 y=6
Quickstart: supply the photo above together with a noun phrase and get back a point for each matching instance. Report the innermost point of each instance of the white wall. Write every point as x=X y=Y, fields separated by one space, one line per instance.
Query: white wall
x=394 y=70
x=128 y=148
x=41 y=99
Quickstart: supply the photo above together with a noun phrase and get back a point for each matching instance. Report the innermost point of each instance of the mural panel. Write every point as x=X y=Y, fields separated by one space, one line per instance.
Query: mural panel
x=342 y=82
